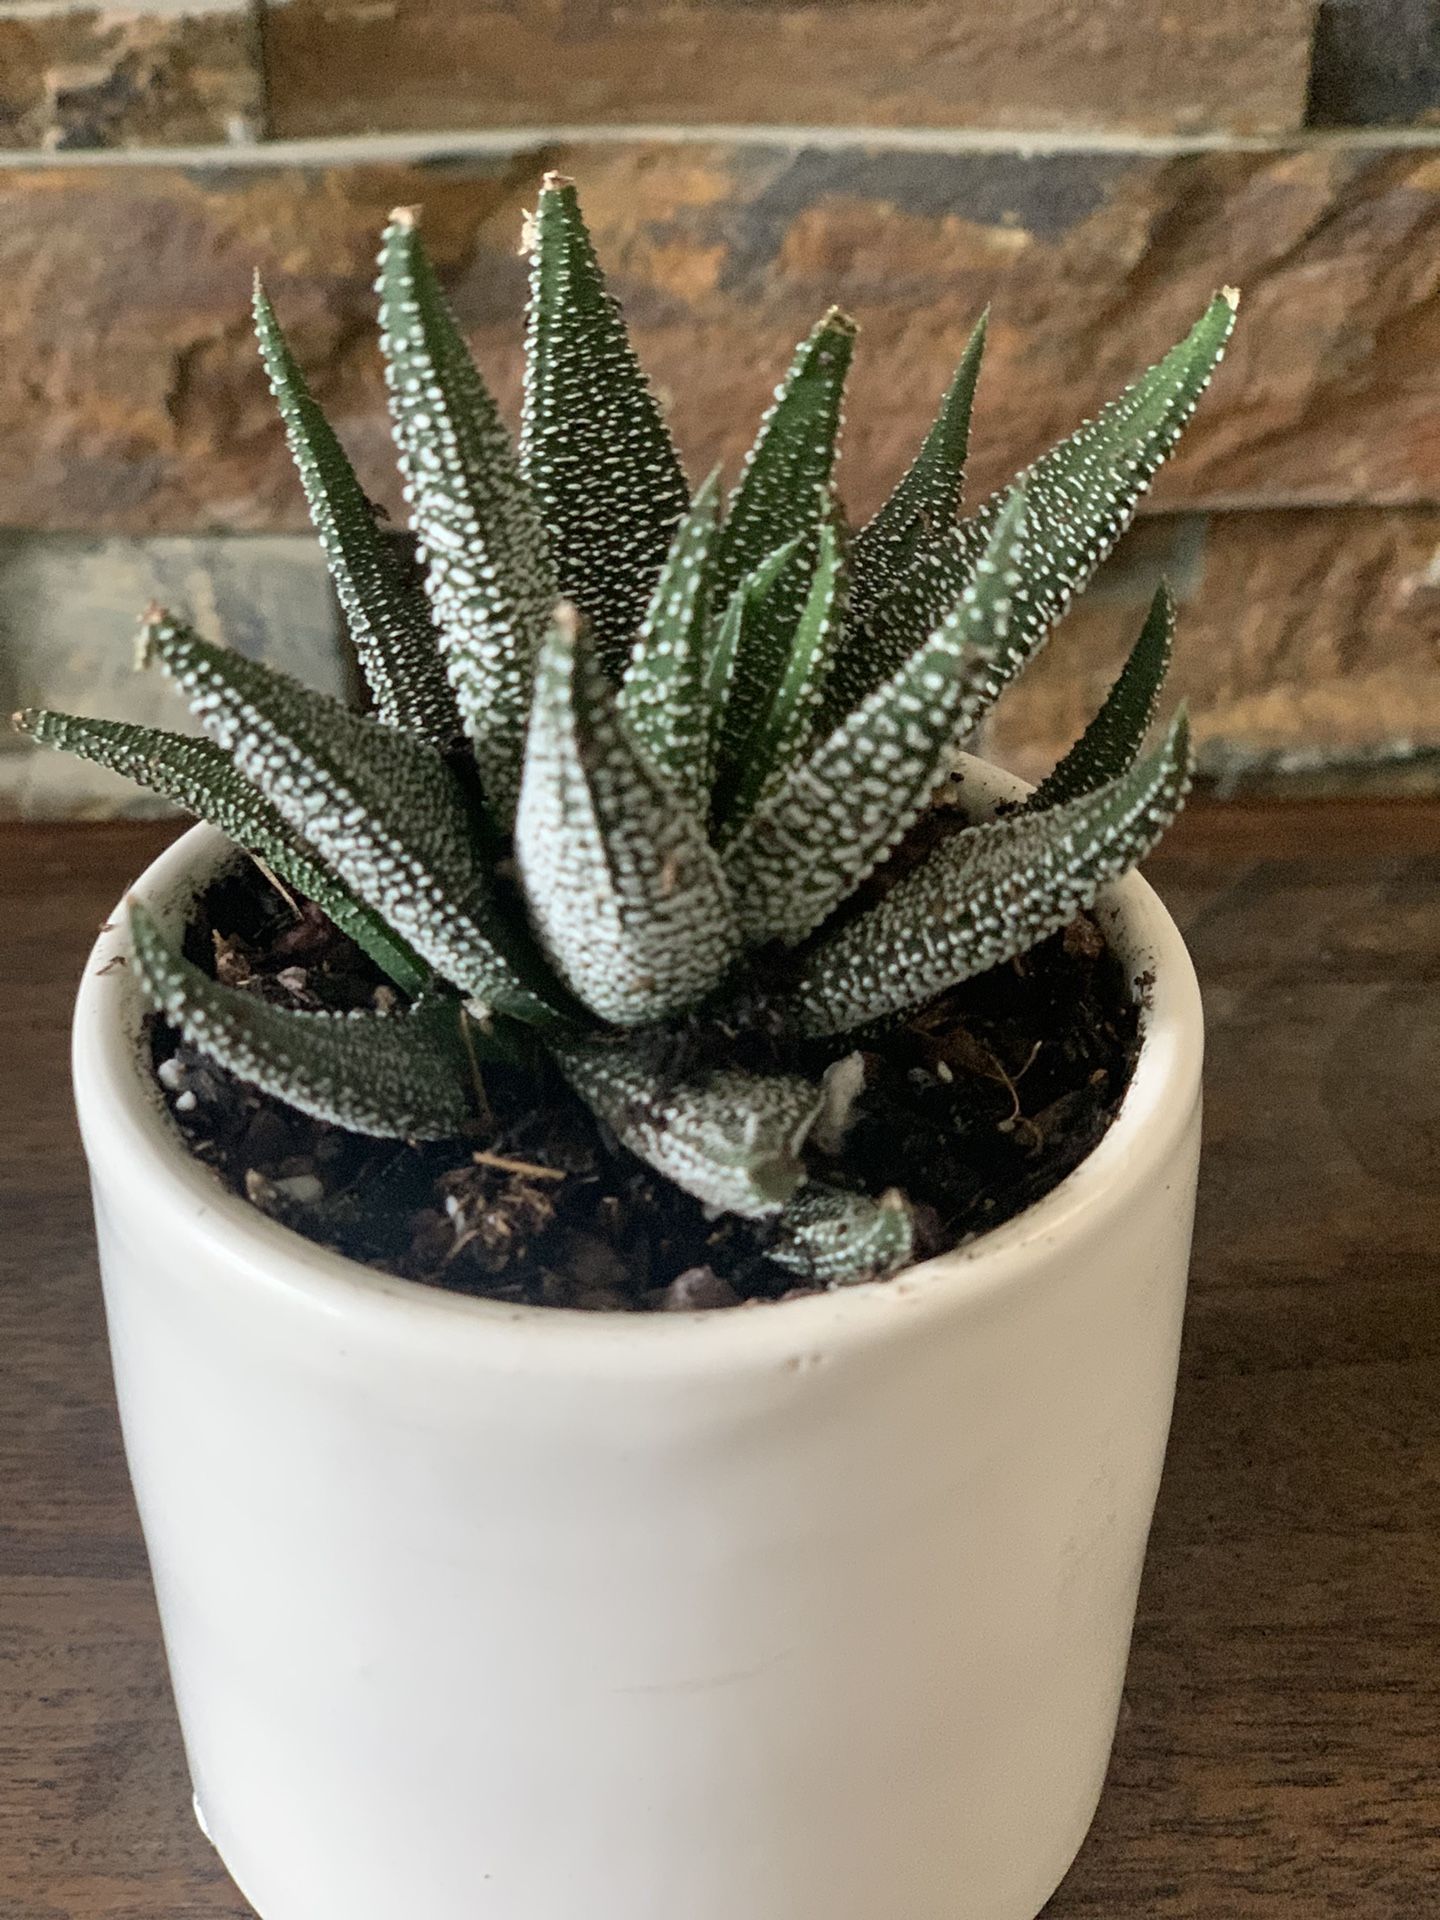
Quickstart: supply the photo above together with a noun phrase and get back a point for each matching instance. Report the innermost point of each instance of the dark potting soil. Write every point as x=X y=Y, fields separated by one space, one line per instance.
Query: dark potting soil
x=974 y=1109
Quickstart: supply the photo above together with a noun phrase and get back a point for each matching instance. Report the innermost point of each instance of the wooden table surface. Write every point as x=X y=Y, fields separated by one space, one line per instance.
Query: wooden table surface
x=1279 y=1751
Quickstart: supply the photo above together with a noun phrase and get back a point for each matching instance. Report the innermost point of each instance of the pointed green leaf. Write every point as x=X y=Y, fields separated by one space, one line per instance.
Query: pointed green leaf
x=201 y=777
x=784 y=489
x=1082 y=494
x=784 y=711
x=389 y=621
x=785 y=492
x=1112 y=741
x=840 y=811
x=986 y=894
x=593 y=443
x=399 y=1075
x=731 y=1139
x=381 y=807
x=924 y=505
x=746 y=610
x=834 y=1238
x=624 y=888
x=663 y=698
x=489 y=574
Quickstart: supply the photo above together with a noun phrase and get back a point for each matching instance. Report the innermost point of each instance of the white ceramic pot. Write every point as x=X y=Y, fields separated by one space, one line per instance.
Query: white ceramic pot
x=808 y=1611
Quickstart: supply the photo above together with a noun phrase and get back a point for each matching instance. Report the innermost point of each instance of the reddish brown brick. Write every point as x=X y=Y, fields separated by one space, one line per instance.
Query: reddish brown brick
x=124 y=76
x=1304 y=638
x=133 y=403
x=352 y=66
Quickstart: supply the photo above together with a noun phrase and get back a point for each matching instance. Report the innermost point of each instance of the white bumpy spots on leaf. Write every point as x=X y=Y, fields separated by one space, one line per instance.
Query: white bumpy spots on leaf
x=784 y=713
x=1082 y=496
x=835 y=1238
x=381 y=807
x=488 y=570
x=785 y=492
x=731 y=1139
x=388 y=619
x=397 y=1075
x=1112 y=741
x=986 y=894
x=924 y=505
x=747 y=607
x=663 y=696
x=624 y=888
x=593 y=442
x=840 y=811
x=201 y=777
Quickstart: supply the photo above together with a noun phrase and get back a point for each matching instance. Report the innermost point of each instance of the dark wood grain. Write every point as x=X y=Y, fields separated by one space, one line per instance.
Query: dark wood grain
x=1280 y=1748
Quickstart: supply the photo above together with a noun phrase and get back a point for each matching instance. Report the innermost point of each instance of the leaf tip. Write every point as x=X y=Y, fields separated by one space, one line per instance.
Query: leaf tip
x=405 y=219
x=1231 y=297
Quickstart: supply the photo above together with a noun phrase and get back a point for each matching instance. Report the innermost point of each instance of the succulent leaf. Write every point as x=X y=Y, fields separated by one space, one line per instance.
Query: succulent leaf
x=389 y=621
x=746 y=607
x=489 y=575
x=785 y=492
x=923 y=507
x=835 y=1238
x=201 y=777
x=594 y=444
x=1112 y=741
x=783 y=711
x=397 y=1075
x=1082 y=496
x=730 y=1138
x=986 y=894
x=840 y=810
x=382 y=808
x=664 y=699
x=625 y=891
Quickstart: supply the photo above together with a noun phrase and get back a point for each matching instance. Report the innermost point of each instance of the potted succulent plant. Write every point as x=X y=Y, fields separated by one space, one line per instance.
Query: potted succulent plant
x=624 y=957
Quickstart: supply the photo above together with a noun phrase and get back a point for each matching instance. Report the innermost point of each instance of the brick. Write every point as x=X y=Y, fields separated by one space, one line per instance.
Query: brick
x=68 y=610
x=133 y=402
x=1305 y=640
x=353 y=66
x=114 y=77
x=1376 y=63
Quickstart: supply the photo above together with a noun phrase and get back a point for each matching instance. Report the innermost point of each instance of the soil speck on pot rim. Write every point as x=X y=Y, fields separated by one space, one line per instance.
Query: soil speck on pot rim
x=975 y=1108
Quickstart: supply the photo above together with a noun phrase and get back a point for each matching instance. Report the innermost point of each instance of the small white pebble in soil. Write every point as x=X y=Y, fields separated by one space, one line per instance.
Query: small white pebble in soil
x=303 y=1188
x=186 y=1102
x=171 y=1074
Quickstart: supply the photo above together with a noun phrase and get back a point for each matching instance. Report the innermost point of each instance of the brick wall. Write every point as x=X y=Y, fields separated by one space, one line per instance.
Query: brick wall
x=1091 y=168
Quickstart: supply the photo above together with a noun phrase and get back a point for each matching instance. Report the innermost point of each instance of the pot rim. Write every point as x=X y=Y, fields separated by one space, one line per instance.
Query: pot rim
x=129 y=1135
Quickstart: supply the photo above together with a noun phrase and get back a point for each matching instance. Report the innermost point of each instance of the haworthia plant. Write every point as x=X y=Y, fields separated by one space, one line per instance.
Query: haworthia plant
x=632 y=755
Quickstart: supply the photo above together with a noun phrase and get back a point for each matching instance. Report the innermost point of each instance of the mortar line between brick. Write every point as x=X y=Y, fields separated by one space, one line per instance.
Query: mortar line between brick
x=401 y=148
